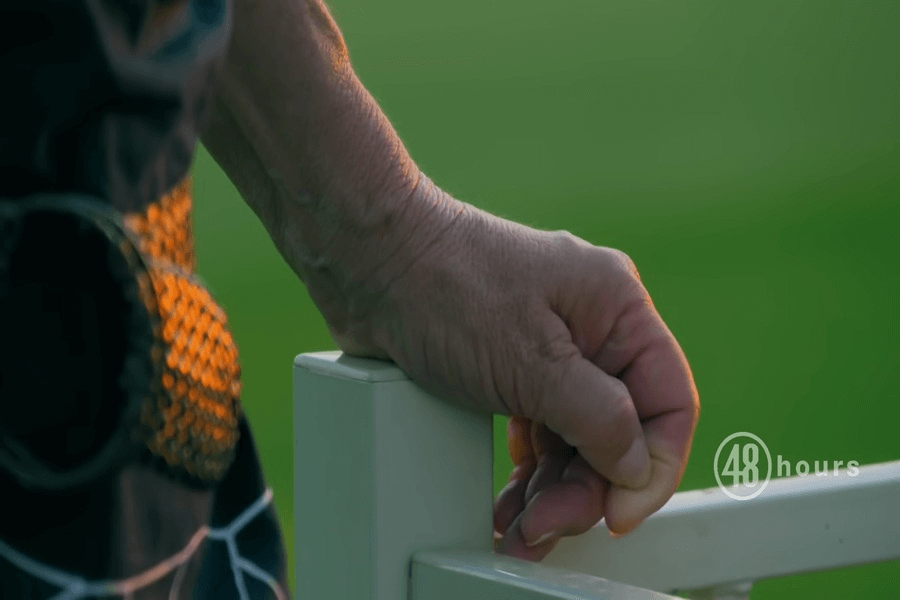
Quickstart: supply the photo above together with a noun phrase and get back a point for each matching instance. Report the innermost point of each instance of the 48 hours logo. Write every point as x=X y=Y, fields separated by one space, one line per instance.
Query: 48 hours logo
x=743 y=465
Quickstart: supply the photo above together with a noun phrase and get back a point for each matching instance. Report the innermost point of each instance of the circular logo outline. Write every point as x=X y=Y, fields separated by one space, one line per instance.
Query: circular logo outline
x=765 y=448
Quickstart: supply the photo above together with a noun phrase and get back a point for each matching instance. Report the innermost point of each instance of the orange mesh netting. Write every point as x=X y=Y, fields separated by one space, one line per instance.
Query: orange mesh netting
x=193 y=415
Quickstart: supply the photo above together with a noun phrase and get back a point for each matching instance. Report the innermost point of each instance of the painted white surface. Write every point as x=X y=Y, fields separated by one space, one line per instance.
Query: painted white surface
x=488 y=576
x=383 y=472
x=703 y=538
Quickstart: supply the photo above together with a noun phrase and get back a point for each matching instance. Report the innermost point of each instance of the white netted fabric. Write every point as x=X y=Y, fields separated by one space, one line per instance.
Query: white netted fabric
x=75 y=587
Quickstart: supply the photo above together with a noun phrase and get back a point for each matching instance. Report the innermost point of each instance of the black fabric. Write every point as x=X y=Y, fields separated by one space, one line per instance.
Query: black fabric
x=75 y=361
x=104 y=98
x=117 y=527
x=260 y=541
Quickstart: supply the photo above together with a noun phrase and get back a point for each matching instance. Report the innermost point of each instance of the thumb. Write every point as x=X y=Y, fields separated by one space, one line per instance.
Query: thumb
x=594 y=412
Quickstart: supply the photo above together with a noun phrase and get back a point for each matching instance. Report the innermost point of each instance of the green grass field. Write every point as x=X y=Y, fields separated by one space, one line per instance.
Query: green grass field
x=746 y=155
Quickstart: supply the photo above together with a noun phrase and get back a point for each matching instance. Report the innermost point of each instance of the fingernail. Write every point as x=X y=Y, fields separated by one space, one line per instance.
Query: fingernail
x=541 y=539
x=626 y=531
x=634 y=468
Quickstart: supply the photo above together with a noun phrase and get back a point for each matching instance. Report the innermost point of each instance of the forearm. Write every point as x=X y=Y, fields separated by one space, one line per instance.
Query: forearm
x=314 y=156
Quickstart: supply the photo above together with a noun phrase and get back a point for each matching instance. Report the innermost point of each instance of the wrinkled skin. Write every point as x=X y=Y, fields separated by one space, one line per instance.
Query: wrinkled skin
x=563 y=336
x=480 y=311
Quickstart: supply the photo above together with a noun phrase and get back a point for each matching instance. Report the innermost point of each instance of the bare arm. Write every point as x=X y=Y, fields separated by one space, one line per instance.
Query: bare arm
x=314 y=156
x=476 y=309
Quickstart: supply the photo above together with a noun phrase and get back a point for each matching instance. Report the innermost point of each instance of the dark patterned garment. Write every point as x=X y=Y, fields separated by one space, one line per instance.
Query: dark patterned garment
x=127 y=468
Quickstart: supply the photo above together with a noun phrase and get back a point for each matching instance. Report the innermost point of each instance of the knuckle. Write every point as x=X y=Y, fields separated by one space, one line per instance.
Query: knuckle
x=621 y=262
x=568 y=243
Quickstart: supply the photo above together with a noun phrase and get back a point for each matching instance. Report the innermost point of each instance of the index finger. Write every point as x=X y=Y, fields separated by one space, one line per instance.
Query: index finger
x=665 y=397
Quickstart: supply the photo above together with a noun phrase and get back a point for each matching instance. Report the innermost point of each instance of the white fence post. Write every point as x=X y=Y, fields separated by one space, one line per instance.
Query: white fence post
x=382 y=470
x=393 y=497
x=394 y=494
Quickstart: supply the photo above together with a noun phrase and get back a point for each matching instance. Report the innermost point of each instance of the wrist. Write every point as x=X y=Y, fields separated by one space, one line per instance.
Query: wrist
x=350 y=269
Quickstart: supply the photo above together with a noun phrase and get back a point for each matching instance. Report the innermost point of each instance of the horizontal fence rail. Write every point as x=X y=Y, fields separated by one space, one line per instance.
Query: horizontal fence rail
x=394 y=493
x=481 y=575
x=704 y=539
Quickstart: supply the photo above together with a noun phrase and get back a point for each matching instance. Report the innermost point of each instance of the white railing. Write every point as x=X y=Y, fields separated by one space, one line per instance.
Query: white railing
x=394 y=492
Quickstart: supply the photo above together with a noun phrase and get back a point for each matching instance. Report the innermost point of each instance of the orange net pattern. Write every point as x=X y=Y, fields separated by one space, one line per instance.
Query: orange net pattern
x=193 y=415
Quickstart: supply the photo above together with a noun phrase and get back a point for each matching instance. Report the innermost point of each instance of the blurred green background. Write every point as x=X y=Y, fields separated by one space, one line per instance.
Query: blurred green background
x=746 y=155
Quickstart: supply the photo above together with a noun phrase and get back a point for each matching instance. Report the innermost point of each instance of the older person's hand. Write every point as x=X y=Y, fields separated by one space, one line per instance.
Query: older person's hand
x=543 y=326
x=563 y=336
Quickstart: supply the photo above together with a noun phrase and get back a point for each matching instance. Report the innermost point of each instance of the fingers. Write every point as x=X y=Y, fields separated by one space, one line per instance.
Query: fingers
x=567 y=507
x=513 y=544
x=570 y=506
x=511 y=499
x=594 y=412
x=666 y=399
x=556 y=495
x=627 y=508
x=509 y=504
x=553 y=456
x=519 y=440
x=537 y=458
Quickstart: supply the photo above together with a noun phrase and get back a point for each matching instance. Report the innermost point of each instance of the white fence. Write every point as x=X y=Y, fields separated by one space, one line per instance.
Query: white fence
x=394 y=492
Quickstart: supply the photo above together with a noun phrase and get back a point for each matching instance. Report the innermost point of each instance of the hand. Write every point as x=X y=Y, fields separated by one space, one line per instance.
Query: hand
x=476 y=309
x=563 y=336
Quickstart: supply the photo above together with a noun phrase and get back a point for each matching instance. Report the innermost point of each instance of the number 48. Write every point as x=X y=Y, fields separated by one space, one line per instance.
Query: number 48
x=750 y=473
